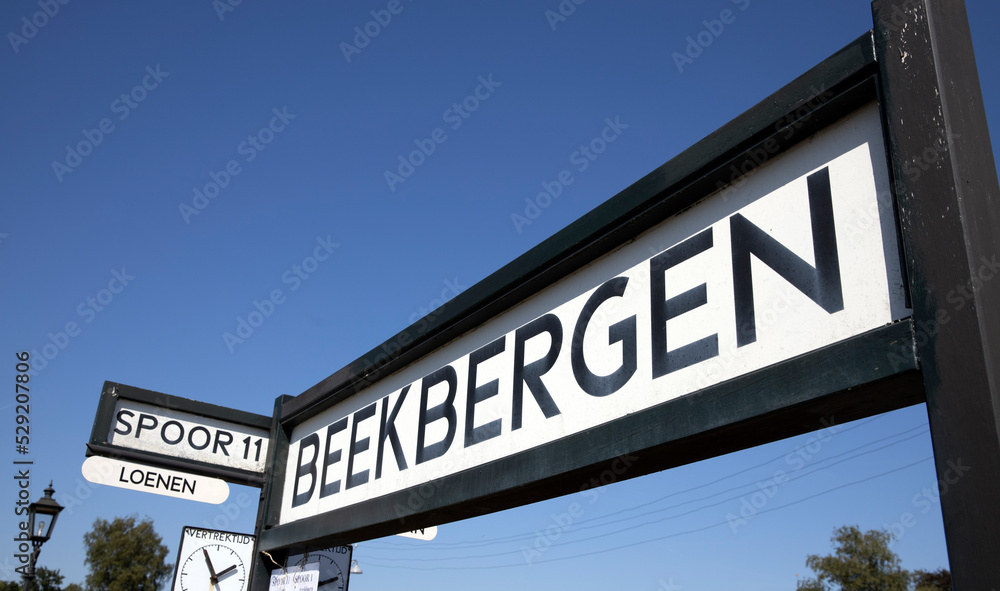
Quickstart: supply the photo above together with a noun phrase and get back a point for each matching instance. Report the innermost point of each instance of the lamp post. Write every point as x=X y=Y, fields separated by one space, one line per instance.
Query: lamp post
x=43 y=513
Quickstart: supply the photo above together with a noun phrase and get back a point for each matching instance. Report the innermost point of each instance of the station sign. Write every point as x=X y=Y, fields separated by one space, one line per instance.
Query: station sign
x=169 y=431
x=804 y=254
x=151 y=479
x=425 y=533
x=785 y=272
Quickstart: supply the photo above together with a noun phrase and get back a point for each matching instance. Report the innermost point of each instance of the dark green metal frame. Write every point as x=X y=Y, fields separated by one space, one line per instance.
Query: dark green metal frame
x=113 y=392
x=948 y=222
x=950 y=219
x=718 y=419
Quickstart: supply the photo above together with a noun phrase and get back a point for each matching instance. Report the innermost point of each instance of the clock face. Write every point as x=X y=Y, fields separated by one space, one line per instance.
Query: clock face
x=215 y=567
x=334 y=564
x=331 y=577
x=211 y=560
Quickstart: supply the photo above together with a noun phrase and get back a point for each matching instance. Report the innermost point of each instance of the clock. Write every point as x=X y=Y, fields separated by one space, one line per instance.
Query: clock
x=212 y=560
x=334 y=566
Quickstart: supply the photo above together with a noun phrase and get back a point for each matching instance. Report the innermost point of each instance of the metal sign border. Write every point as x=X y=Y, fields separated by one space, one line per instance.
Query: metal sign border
x=803 y=390
x=113 y=391
x=917 y=63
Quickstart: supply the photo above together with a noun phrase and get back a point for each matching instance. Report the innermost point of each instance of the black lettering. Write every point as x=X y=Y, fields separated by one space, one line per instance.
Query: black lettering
x=358 y=447
x=330 y=458
x=143 y=425
x=821 y=284
x=163 y=433
x=388 y=430
x=218 y=443
x=662 y=309
x=475 y=394
x=128 y=427
x=445 y=410
x=532 y=373
x=311 y=440
x=208 y=437
x=623 y=332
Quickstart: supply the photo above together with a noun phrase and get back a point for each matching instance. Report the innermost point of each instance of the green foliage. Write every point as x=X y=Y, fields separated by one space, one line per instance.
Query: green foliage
x=860 y=562
x=125 y=556
x=939 y=580
x=48 y=580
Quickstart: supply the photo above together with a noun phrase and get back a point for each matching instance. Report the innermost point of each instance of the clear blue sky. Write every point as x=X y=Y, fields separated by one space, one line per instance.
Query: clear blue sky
x=214 y=82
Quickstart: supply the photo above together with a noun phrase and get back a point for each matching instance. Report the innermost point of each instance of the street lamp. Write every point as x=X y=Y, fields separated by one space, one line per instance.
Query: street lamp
x=42 y=516
x=355 y=567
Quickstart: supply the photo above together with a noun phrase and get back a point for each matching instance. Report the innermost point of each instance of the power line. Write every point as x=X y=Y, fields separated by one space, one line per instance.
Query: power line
x=590 y=523
x=660 y=520
x=651 y=540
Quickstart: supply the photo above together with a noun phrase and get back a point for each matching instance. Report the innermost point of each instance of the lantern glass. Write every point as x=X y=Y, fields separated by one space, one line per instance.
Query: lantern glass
x=42 y=516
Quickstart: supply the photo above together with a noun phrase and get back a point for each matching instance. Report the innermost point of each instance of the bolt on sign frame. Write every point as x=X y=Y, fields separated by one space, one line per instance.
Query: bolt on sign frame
x=902 y=105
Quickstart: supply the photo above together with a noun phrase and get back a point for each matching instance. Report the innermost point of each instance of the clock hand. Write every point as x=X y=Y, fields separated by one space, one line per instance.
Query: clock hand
x=321 y=583
x=225 y=571
x=214 y=578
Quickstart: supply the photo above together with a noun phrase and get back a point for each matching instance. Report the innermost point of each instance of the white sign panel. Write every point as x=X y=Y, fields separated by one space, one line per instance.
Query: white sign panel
x=214 y=560
x=180 y=434
x=170 y=483
x=798 y=254
x=332 y=564
x=300 y=578
x=425 y=533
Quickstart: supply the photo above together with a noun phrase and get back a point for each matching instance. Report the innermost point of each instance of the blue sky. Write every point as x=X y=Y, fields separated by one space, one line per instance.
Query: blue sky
x=329 y=125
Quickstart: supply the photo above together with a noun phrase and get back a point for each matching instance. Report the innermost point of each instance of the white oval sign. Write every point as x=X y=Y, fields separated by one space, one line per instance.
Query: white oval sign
x=426 y=533
x=152 y=479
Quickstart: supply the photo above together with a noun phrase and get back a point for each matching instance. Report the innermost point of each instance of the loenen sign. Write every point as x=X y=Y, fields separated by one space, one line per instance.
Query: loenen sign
x=803 y=256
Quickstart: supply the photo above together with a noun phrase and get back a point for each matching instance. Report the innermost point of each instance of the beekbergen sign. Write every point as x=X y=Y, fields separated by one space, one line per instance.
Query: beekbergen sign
x=803 y=255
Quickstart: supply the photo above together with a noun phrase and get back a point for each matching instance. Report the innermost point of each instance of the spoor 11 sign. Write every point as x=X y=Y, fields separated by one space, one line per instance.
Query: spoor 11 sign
x=173 y=432
x=803 y=255
x=170 y=432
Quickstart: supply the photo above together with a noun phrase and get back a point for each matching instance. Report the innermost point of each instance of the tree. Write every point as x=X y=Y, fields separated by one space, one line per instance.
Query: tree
x=939 y=580
x=125 y=556
x=48 y=579
x=860 y=562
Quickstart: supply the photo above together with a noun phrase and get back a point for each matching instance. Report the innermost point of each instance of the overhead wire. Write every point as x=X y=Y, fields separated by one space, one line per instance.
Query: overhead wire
x=639 y=525
x=590 y=523
x=602 y=551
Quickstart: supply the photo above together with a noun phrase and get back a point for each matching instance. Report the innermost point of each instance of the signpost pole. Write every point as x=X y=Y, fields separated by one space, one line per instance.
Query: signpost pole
x=262 y=565
x=949 y=204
